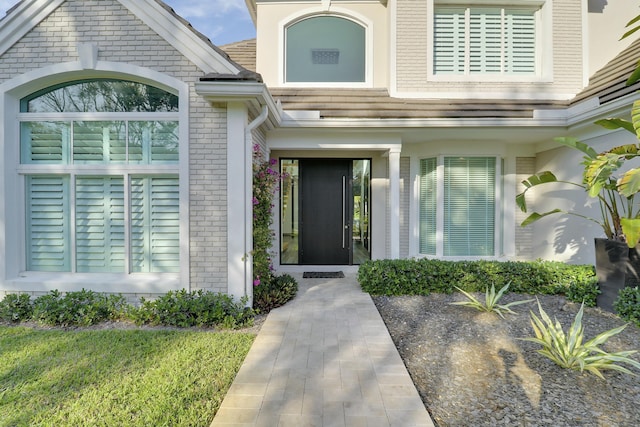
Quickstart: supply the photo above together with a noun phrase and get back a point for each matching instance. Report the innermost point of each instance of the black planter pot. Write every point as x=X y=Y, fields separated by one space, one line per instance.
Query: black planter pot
x=616 y=267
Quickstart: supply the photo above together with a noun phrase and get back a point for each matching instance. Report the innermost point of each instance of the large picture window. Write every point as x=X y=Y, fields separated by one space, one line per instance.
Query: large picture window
x=484 y=40
x=458 y=197
x=100 y=166
x=325 y=49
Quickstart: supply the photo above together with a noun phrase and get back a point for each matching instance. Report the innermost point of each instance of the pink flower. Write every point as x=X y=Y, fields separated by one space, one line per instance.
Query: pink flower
x=256 y=282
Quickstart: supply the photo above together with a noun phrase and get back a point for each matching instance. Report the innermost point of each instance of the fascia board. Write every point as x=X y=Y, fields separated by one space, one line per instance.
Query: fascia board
x=181 y=38
x=420 y=123
x=591 y=109
x=249 y=92
x=23 y=19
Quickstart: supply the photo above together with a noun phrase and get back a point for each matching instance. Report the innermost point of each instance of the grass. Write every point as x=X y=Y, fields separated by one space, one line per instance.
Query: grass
x=116 y=377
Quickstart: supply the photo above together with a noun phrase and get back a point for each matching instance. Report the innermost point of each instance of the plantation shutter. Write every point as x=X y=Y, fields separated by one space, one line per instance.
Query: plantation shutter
x=155 y=224
x=520 y=42
x=99 y=142
x=469 y=206
x=44 y=142
x=100 y=224
x=449 y=41
x=47 y=220
x=428 y=205
x=485 y=41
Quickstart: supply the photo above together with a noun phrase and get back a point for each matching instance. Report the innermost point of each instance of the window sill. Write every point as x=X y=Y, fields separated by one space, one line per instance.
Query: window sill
x=136 y=283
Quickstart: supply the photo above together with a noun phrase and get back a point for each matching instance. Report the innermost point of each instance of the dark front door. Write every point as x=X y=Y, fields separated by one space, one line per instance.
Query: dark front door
x=325 y=211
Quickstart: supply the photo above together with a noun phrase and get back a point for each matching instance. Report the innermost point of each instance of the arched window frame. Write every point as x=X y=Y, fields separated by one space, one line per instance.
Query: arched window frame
x=12 y=185
x=358 y=19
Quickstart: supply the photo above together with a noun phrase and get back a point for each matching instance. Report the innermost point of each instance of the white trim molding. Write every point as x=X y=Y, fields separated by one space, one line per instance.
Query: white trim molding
x=12 y=251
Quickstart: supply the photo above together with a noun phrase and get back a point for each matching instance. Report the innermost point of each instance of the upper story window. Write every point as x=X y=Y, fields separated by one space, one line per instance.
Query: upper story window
x=485 y=41
x=325 y=49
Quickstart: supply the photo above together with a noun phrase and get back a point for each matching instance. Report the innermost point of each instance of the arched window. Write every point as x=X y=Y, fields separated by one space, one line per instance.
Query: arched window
x=325 y=49
x=100 y=165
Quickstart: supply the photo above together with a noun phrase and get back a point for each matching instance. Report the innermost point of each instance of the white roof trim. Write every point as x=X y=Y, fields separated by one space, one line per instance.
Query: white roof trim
x=180 y=37
x=30 y=13
x=22 y=19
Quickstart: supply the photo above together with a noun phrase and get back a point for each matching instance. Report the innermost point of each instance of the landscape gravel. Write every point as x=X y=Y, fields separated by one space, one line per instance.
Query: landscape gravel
x=472 y=368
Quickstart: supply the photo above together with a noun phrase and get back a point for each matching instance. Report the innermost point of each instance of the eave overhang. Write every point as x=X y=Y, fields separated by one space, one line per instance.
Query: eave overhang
x=228 y=88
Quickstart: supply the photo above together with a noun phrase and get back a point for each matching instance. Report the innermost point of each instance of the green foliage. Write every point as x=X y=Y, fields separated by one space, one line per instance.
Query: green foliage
x=114 y=377
x=196 y=308
x=266 y=183
x=81 y=308
x=275 y=292
x=16 y=308
x=584 y=291
x=491 y=301
x=569 y=351
x=423 y=276
x=627 y=305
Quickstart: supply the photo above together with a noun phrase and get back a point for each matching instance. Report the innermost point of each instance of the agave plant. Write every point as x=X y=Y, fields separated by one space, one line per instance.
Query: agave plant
x=570 y=351
x=491 y=301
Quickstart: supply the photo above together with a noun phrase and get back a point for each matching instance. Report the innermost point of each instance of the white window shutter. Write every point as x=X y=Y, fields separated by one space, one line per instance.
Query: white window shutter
x=449 y=41
x=155 y=224
x=100 y=224
x=520 y=38
x=48 y=245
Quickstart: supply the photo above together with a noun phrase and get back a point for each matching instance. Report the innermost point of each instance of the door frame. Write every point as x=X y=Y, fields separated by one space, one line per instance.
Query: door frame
x=349 y=209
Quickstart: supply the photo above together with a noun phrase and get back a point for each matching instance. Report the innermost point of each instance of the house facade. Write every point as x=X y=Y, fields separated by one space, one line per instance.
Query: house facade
x=404 y=128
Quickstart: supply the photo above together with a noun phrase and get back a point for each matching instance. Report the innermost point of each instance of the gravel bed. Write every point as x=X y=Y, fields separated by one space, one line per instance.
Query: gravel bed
x=471 y=368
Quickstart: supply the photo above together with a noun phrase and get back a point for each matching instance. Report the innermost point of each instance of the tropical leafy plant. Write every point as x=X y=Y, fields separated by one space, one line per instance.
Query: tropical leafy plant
x=570 y=351
x=620 y=216
x=490 y=303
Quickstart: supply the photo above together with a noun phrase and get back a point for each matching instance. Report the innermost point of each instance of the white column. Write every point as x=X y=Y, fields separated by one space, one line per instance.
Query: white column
x=238 y=192
x=394 y=201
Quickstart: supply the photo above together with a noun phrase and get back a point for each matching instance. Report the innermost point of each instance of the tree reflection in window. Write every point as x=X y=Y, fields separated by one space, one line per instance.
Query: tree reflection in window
x=98 y=96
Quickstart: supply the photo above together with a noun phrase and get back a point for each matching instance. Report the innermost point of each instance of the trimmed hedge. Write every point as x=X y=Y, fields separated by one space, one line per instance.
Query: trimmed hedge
x=627 y=305
x=423 y=276
x=274 y=292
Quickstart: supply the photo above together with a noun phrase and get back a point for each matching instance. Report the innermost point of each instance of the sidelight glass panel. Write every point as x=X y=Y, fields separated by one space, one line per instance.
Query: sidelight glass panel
x=361 y=191
x=289 y=213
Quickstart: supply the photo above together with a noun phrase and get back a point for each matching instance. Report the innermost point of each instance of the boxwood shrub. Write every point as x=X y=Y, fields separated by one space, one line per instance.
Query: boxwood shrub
x=627 y=305
x=423 y=276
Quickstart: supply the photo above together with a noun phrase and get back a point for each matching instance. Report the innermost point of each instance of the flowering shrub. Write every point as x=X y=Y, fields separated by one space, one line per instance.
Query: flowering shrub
x=266 y=182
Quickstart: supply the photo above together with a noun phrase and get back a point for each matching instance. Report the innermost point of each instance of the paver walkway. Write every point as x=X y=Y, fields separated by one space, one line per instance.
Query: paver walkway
x=324 y=359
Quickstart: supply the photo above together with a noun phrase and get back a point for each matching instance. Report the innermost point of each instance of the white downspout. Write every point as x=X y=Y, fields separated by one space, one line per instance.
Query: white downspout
x=248 y=199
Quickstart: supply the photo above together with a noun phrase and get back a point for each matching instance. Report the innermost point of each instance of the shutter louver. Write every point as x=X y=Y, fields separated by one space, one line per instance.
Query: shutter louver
x=44 y=142
x=155 y=224
x=520 y=49
x=485 y=41
x=449 y=41
x=97 y=142
x=428 y=205
x=47 y=223
x=100 y=224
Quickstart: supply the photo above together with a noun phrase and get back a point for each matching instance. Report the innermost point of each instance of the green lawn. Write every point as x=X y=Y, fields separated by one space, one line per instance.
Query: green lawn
x=116 y=377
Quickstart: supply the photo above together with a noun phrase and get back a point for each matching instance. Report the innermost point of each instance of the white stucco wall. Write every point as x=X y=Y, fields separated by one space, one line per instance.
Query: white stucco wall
x=565 y=237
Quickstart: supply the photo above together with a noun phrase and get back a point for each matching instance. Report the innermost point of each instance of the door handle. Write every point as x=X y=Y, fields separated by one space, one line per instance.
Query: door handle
x=344 y=207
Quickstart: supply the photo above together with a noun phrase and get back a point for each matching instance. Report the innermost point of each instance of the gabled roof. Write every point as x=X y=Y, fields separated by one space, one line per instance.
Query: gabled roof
x=243 y=53
x=609 y=83
x=156 y=14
